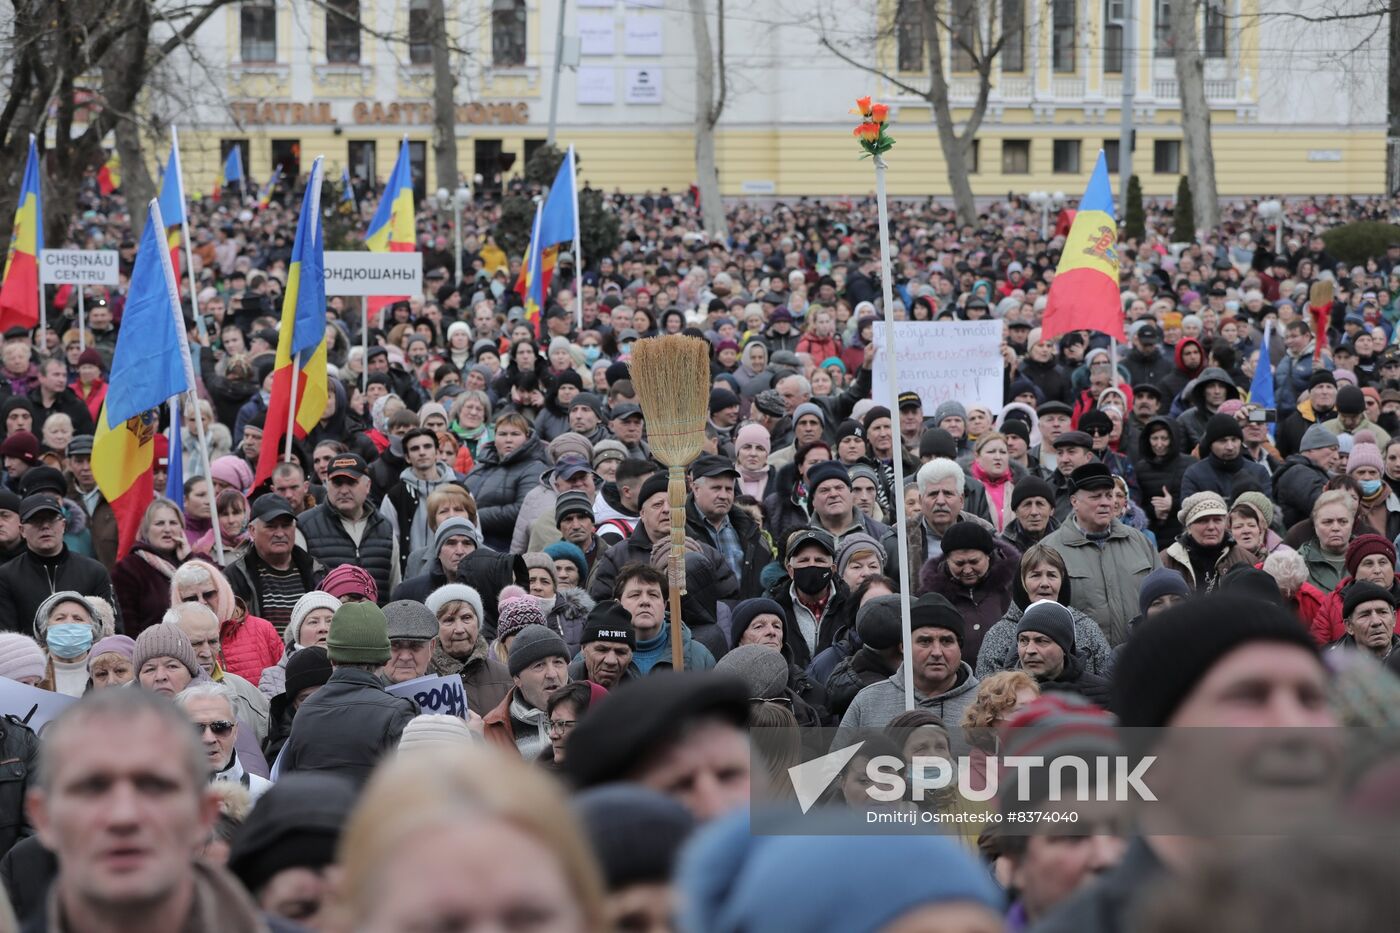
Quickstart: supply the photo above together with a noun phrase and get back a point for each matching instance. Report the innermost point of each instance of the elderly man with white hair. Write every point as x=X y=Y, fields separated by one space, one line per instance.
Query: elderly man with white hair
x=210 y=707
x=942 y=490
x=201 y=627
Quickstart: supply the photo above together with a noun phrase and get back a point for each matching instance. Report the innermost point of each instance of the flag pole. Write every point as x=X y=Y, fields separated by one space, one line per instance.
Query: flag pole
x=578 y=238
x=185 y=232
x=364 y=346
x=292 y=407
x=208 y=475
x=82 y=327
x=43 y=342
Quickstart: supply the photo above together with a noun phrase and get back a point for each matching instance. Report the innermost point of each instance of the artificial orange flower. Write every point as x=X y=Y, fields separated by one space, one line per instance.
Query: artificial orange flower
x=867 y=131
x=879 y=113
x=862 y=106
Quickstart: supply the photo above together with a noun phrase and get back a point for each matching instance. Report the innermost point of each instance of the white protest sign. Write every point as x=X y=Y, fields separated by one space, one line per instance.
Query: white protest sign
x=30 y=705
x=943 y=361
x=435 y=694
x=78 y=266
x=368 y=274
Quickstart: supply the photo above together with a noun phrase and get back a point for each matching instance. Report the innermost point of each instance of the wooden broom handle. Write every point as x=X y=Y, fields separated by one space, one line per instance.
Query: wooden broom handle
x=676 y=577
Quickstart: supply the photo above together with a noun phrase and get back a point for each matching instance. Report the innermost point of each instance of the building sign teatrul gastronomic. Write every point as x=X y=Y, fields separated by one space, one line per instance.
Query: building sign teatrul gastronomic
x=372 y=113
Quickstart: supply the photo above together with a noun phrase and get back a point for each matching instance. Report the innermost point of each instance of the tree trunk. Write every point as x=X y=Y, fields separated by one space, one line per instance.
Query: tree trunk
x=123 y=74
x=1195 y=113
x=707 y=113
x=955 y=148
x=1392 y=104
x=137 y=186
x=444 y=101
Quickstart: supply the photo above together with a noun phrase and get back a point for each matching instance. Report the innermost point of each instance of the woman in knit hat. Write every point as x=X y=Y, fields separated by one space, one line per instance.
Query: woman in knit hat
x=515 y=610
x=351 y=583
x=460 y=648
x=90 y=386
x=66 y=627
x=165 y=661
x=21 y=659
x=752 y=444
x=310 y=625
x=570 y=564
x=110 y=663
x=248 y=644
x=141 y=579
x=1370 y=558
x=1251 y=516
x=565 y=608
x=1379 y=509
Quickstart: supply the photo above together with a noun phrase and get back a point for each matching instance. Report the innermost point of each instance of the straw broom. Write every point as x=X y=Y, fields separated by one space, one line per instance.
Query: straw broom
x=1320 y=305
x=672 y=378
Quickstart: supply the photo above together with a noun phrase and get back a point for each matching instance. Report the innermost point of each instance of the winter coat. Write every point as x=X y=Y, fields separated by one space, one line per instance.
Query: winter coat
x=485 y=680
x=784 y=510
x=1327 y=624
x=853 y=675
x=876 y=705
x=1075 y=678
x=1229 y=478
x=249 y=703
x=1147 y=367
x=19 y=754
x=243 y=578
x=756 y=553
x=26 y=871
x=248 y=646
x=28 y=580
x=1291 y=376
x=1297 y=486
x=1105 y=580
x=1021 y=539
x=499 y=486
x=1193 y=420
x=917 y=539
x=93 y=397
x=1050 y=377
x=406 y=506
x=999 y=642
x=569 y=615
x=981 y=605
x=142 y=588
x=538 y=501
x=1381 y=516
x=1174 y=382
x=419 y=588
x=347 y=726
x=828 y=627
x=329 y=542
x=1322 y=572
x=66 y=402
x=1365 y=424
x=1154 y=473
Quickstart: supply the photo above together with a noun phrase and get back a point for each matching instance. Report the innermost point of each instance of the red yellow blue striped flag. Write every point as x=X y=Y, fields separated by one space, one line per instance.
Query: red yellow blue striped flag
x=19 y=295
x=1084 y=294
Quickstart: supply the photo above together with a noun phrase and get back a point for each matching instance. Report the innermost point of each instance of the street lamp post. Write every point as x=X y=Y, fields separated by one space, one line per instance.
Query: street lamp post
x=460 y=198
x=1272 y=211
x=1046 y=202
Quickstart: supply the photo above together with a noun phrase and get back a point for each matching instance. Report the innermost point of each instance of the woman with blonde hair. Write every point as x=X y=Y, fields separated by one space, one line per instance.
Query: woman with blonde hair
x=449 y=500
x=998 y=698
x=248 y=644
x=479 y=836
x=141 y=579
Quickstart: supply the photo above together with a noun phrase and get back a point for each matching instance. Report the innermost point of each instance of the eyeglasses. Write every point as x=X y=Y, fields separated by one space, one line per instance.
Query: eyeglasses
x=208 y=597
x=220 y=727
x=561 y=725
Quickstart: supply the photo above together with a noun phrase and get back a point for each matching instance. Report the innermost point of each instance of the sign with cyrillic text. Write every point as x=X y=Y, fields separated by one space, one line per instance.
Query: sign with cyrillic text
x=958 y=361
x=434 y=694
x=371 y=274
x=79 y=266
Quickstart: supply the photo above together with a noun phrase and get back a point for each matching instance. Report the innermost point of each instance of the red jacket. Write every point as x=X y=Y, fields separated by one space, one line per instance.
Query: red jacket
x=821 y=348
x=250 y=644
x=1314 y=612
x=496 y=726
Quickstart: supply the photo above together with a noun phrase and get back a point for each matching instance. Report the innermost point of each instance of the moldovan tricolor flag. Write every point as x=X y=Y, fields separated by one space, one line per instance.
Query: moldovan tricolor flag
x=109 y=176
x=150 y=365
x=301 y=337
x=556 y=222
x=19 y=295
x=392 y=229
x=172 y=207
x=1084 y=294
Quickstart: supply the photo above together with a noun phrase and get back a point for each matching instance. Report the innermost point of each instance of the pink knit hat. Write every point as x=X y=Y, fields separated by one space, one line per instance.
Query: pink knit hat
x=754 y=434
x=515 y=612
x=234 y=471
x=20 y=656
x=1364 y=452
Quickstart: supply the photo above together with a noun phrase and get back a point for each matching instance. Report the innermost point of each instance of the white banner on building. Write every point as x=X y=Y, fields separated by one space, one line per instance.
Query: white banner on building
x=642 y=36
x=597 y=33
x=79 y=266
x=595 y=85
x=370 y=274
x=643 y=86
x=942 y=361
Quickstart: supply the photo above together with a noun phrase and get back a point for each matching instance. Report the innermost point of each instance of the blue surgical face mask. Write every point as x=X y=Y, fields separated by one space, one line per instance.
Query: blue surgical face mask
x=498 y=289
x=68 y=639
x=592 y=352
x=1369 y=487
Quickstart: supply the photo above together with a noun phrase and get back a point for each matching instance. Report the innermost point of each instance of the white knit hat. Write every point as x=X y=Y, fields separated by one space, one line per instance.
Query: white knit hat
x=20 y=656
x=315 y=599
x=433 y=730
x=454 y=591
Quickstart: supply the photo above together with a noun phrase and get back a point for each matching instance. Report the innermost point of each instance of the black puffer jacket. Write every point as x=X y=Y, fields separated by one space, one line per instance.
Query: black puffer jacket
x=347 y=726
x=853 y=675
x=783 y=510
x=832 y=620
x=1297 y=486
x=1075 y=678
x=19 y=753
x=499 y=486
x=1154 y=473
x=756 y=553
x=1050 y=377
x=28 y=580
x=331 y=544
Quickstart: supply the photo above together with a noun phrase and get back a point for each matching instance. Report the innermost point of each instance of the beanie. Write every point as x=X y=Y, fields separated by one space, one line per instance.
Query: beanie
x=22 y=446
x=657 y=482
x=949 y=409
x=234 y=471
x=608 y=621
x=878 y=622
x=1031 y=487
x=164 y=640
x=359 y=635
x=1320 y=377
x=636 y=832
x=937 y=444
x=748 y=610
x=1363 y=546
x=1199 y=505
x=762 y=668
x=455 y=592
x=1365 y=454
x=1363 y=591
x=434 y=730
x=571 y=503
x=1161 y=582
x=350 y=579
x=720 y=399
x=822 y=472
x=315 y=599
x=570 y=444
x=456 y=525
x=1259 y=503
x=968 y=536
x=90 y=357
x=567 y=550
x=1316 y=438
x=1049 y=618
x=874 y=415
x=1095 y=421
x=21 y=656
x=535 y=643
x=853 y=544
x=1170 y=653
x=609 y=449
x=120 y=645
x=934 y=611
x=309 y=667
x=809 y=408
x=1244 y=580
x=513 y=614
x=1220 y=427
x=1350 y=401
x=753 y=434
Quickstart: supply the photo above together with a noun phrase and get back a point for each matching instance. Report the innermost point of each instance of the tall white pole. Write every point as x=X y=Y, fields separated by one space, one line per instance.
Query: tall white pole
x=901 y=535
x=558 y=68
x=578 y=240
x=208 y=475
x=82 y=325
x=185 y=234
x=364 y=346
x=1125 y=127
x=291 y=410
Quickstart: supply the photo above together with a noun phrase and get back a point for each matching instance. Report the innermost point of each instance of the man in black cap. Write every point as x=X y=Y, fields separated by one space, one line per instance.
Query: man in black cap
x=1111 y=558
x=723 y=421
x=832 y=506
x=911 y=419
x=273 y=573
x=1045 y=650
x=1317 y=406
x=1351 y=416
x=1033 y=504
x=347 y=528
x=1073 y=449
x=1369 y=611
x=1145 y=361
x=710 y=517
x=813 y=597
x=628 y=425
x=1223 y=467
x=881 y=634
x=606 y=646
x=683 y=734
x=1055 y=418
x=539 y=667
x=586 y=417
x=573 y=516
x=45 y=566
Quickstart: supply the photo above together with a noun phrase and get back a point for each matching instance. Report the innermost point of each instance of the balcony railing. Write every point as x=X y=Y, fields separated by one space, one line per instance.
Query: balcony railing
x=1165 y=89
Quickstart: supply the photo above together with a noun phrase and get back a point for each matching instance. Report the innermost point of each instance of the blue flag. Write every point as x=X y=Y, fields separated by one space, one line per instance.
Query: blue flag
x=1261 y=388
x=559 y=217
x=175 y=473
x=151 y=362
x=347 y=190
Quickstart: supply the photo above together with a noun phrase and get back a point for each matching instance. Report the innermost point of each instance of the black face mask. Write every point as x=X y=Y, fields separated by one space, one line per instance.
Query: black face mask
x=811 y=580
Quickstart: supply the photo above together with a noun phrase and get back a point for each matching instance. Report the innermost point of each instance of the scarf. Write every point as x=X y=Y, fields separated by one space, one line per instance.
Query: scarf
x=523 y=714
x=753 y=482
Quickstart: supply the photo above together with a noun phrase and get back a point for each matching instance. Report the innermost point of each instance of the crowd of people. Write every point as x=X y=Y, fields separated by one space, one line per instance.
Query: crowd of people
x=1130 y=538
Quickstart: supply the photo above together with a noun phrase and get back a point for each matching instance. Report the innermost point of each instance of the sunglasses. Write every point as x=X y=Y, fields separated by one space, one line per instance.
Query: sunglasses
x=208 y=597
x=220 y=727
x=1098 y=431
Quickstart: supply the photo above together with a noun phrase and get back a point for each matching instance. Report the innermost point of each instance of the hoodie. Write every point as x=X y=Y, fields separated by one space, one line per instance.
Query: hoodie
x=1175 y=381
x=405 y=506
x=1155 y=473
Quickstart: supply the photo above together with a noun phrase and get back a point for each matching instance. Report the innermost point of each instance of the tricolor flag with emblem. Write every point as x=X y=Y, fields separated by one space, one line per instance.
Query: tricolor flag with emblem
x=19 y=294
x=534 y=274
x=150 y=365
x=172 y=207
x=392 y=229
x=556 y=222
x=1084 y=294
x=109 y=176
x=300 y=369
